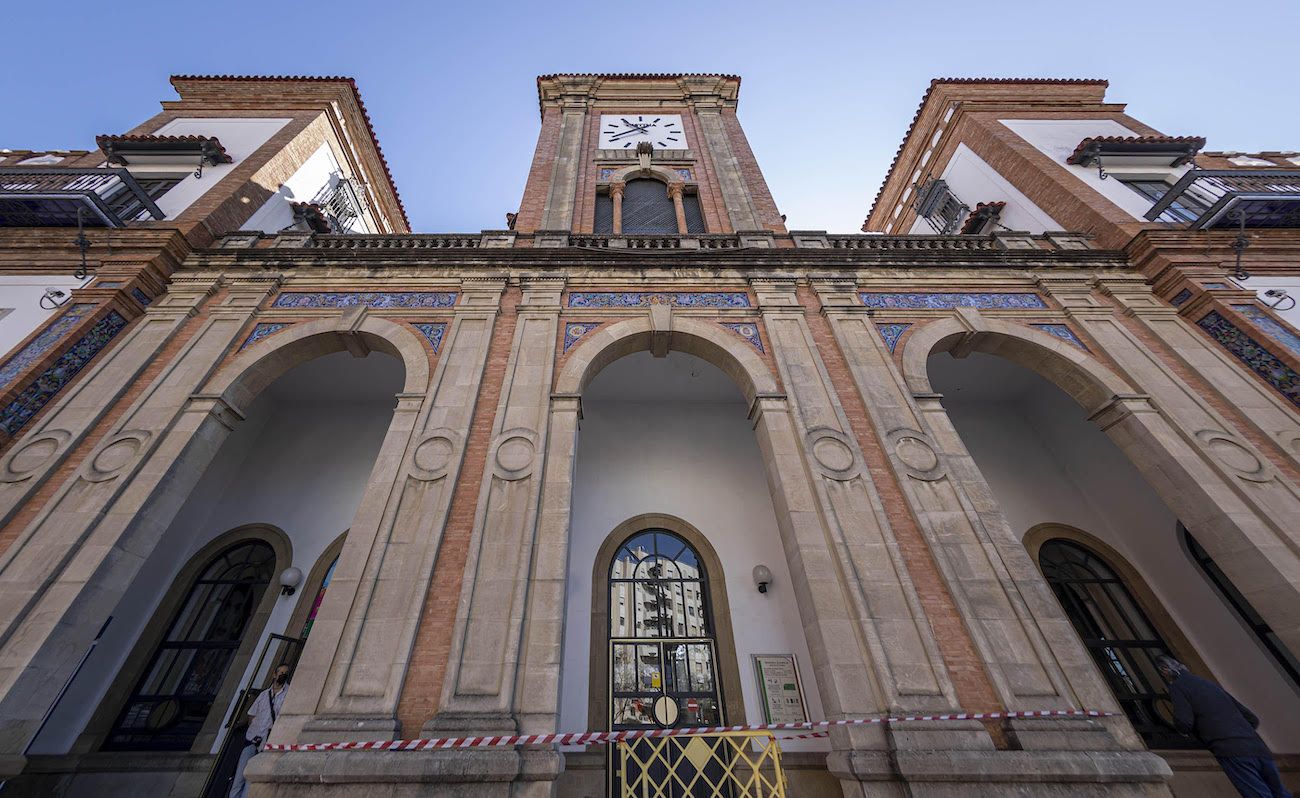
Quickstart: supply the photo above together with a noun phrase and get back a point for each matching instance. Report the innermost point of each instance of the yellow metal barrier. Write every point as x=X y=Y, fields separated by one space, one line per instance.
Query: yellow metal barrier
x=727 y=765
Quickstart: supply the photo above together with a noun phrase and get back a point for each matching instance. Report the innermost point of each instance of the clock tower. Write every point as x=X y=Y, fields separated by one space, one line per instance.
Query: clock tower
x=641 y=153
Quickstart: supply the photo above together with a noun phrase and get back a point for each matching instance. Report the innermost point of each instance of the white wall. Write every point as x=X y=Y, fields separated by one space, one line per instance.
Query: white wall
x=1058 y=138
x=1288 y=283
x=973 y=181
x=318 y=171
x=1046 y=463
x=297 y=463
x=699 y=461
x=20 y=306
x=240 y=137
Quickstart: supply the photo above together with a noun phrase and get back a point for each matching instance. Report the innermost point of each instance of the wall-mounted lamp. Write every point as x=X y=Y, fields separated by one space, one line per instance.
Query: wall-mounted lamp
x=290 y=578
x=53 y=298
x=1276 y=296
x=762 y=577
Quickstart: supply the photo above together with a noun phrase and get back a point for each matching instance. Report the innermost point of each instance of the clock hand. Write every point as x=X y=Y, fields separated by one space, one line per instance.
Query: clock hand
x=627 y=133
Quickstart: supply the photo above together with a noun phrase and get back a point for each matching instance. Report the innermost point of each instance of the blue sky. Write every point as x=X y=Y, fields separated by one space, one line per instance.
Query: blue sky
x=828 y=90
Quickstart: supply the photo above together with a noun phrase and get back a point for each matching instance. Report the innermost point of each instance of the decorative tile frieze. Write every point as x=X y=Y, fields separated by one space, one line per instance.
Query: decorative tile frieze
x=1279 y=332
x=605 y=174
x=747 y=330
x=109 y=284
x=347 y=299
x=947 y=301
x=141 y=297
x=576 y=329
x=684 y=174
x=36 y=348
x=1215 y=285
x=891 y=333
x=1063 y=332
x=260 y=331
x=1256 y=357
x=43 y=389
x=433 y=333
x=640 y=299
x=1181 y=298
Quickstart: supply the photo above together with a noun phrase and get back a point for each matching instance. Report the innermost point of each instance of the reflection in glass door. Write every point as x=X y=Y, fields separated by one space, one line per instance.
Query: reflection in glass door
x=662 y=658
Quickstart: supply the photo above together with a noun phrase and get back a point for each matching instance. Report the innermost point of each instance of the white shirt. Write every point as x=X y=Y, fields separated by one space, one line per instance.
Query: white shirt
x=260 y=711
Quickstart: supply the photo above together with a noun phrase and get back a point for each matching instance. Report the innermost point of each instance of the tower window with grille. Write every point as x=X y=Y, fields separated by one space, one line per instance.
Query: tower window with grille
x=694 y=216
x=940 y=208
x=647 y=208
x=604 y=214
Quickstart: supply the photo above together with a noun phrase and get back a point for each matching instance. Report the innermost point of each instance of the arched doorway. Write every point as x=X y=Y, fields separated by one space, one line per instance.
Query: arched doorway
x=662 y=649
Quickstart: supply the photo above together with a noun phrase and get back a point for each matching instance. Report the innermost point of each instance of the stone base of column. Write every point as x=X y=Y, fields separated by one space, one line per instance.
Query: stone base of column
x=349 y=728
x=471 y=773
x=954 y=774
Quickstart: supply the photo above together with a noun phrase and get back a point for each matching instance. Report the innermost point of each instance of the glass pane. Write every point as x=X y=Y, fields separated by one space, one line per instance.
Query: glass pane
x=701 y=664
x=649 y=668
x=625 y=668
x=700 y=711
x=636 y=711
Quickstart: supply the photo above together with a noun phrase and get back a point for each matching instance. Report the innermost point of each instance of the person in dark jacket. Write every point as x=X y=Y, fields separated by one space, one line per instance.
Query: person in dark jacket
x=1207 y=712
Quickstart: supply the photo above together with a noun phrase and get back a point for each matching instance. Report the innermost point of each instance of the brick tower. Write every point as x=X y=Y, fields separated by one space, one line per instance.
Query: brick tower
x=602 y=133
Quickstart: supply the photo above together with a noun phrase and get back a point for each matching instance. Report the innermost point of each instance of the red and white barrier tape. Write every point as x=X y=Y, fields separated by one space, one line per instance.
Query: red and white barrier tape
x=591 y=738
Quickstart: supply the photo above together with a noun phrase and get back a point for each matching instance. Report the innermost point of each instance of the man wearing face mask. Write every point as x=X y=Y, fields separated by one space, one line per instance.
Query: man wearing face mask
x=261 y=716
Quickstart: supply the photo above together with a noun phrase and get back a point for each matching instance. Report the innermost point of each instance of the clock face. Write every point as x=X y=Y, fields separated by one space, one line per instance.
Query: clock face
x=625 y=131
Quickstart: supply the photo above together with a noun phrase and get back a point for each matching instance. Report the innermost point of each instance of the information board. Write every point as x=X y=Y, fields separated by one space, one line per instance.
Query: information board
x=779 y=686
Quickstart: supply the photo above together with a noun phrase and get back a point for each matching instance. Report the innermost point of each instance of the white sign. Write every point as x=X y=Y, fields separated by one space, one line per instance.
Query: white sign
x=778 y=683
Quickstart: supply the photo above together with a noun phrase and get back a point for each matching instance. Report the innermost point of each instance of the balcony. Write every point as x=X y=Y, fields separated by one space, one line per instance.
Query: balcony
x=35 y=197
x=342 y=203
x=1214 y=198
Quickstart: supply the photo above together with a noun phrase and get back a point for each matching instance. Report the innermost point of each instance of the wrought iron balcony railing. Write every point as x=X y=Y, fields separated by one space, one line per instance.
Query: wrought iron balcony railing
x=46 y=197
x=1213 y=198
x=343 y=203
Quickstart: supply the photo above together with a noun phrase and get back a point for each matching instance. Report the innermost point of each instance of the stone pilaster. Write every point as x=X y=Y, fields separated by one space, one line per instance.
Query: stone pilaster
x=483 y=669
x=896 y=642
x=562 y=193
x=726 y=166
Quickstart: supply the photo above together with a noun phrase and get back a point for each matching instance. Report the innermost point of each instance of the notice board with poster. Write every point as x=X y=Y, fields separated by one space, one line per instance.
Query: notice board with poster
x=780 y=688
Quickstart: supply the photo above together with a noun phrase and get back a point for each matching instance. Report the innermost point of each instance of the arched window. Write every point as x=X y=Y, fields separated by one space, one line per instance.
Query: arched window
x=1117 y=633
x=647 y=208
x=662 y=650
x=171 y=701
x=320 y=596
x=1253 y=620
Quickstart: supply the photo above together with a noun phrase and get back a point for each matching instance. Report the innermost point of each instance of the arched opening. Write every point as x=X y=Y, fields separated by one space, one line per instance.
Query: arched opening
x=666 y=458
x=291 y=473
x=1049 y=465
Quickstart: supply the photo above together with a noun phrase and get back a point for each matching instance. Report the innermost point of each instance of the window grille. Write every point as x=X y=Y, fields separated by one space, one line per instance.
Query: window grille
x=647 y=208
x=1117 y=633
x=604 y=214
x=694 y=216
x=171 y=702
x=940 y=208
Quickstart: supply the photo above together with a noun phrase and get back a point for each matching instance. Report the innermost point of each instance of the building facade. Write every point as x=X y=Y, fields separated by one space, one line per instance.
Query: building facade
x=645 y=458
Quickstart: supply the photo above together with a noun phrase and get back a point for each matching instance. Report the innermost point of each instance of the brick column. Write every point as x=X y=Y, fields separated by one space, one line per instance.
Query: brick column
x=68 y=568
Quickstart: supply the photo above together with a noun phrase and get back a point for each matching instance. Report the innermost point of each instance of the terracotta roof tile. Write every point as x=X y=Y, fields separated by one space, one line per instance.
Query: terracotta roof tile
x=106 y=141
x=1087 y=148
x=356 y=93
x=941 y=81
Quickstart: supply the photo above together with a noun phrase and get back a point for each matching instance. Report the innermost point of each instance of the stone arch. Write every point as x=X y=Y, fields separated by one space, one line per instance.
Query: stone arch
x=251 y=371
x=703 y=339
x=728 y=667
x=1071 y=369
x=651 y=171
